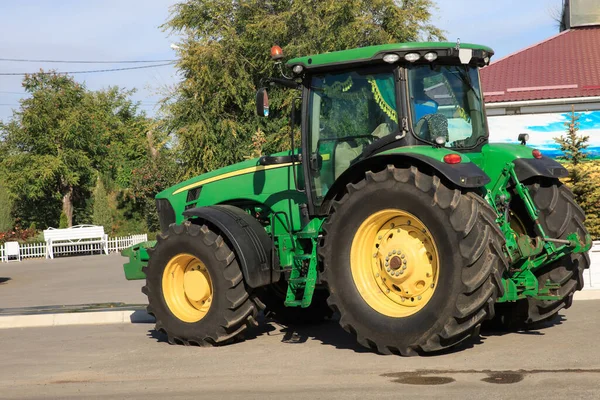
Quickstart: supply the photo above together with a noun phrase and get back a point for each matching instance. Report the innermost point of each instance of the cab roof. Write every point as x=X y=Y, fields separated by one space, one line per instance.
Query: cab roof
x=374 y=54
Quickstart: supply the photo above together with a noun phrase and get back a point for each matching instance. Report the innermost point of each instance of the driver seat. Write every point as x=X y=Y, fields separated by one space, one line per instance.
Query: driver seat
x=344 y=153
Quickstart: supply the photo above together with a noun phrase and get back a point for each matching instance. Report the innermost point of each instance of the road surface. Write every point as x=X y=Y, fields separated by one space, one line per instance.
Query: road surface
x=317 y=362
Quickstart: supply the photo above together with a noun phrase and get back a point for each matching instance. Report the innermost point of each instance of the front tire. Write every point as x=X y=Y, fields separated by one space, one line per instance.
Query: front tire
x=195 y=288
x=449 y=239
x=559 y=216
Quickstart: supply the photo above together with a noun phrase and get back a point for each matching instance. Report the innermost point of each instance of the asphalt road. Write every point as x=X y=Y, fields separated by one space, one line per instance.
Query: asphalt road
x=322 y=361
x=66 y=281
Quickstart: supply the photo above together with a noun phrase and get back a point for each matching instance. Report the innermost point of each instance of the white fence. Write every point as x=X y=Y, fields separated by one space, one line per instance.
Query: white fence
x=38 y=250
x=591 y=277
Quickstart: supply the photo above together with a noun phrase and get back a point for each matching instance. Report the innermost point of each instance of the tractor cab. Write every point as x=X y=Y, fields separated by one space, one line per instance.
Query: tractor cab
x=361 y=102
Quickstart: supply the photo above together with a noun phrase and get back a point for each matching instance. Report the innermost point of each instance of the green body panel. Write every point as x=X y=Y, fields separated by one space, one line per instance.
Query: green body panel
x=436 y=153
x=494 y=156
x=138 y=258
x=247 y=181
x=367 y=53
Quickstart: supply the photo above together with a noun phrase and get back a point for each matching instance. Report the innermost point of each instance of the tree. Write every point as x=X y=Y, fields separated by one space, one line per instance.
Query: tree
x=62 y=136
x=6 y=220
x=581 y=174
x=225 y=55
x=572 y=144
x=102 y=214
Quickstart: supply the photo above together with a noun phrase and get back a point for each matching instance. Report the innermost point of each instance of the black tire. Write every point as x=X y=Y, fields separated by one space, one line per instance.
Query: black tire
x=272 y=298
x=232 y=309
x=559 y=216
x=470 y=247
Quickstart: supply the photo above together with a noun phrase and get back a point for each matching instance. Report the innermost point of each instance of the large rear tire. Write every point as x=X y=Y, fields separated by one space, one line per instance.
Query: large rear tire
x=559 y=216
x=449 y=240
x=196 y=289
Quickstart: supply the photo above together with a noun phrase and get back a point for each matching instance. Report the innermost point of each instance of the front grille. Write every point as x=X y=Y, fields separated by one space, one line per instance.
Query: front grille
x=193 y=194
x=192 y=197
x=166 y=214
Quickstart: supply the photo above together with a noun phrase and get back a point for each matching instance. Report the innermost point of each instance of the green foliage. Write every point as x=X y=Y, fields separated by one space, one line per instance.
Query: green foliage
x=17 y=234
x=6 y=206
x=102 y=214
x=582 y=174
x=62 y=136
x=63 y=222
x=225 y=55
x=572 y=144
x=147 y=181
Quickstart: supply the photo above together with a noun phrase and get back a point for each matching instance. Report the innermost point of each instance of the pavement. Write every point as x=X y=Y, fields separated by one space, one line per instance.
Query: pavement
x=67 y=280
x=132 y=361
x=111 y=359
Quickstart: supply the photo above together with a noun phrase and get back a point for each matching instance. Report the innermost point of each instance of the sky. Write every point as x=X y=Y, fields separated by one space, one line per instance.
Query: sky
x=130 y=30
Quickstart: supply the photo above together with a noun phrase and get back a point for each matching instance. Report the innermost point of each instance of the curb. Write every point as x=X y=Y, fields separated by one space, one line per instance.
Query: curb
x=587 y=294
x=129 y=316
x=79 y=318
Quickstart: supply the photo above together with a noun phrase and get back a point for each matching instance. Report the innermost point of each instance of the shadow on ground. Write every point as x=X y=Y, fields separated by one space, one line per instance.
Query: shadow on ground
x=331 y=334
x=4 y=280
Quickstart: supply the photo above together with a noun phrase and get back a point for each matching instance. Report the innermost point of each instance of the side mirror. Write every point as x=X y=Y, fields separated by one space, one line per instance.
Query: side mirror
x=262 y=103
x=523 y=138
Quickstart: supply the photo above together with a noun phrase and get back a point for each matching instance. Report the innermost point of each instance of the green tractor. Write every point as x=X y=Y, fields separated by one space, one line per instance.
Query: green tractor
x=395 y=212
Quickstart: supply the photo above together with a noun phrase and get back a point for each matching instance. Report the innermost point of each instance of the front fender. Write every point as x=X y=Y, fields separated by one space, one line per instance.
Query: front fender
x=494 y=157
x=250 y=241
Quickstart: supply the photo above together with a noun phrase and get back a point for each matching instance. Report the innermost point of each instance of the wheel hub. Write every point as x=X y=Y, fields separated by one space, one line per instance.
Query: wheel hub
x=403 y=265
x=196 y=285
x=187 y=287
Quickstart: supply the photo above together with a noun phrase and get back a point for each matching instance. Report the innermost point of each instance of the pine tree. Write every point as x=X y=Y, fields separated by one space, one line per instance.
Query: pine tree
x=102 y=215
x=573 y=145
x=581 y=173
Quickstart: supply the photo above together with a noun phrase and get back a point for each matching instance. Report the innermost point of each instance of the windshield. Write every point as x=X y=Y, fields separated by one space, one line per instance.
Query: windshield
x=446 y=101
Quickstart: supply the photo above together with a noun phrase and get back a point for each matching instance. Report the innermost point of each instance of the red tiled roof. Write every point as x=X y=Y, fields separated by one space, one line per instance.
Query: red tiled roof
x=565 y=65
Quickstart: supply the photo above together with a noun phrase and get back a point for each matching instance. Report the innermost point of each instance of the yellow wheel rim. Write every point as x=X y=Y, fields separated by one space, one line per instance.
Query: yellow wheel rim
x=187 y=288
x=395 y=263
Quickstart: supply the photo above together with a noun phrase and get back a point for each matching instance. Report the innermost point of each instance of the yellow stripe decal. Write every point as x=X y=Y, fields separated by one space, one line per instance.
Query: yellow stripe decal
x=248 y=170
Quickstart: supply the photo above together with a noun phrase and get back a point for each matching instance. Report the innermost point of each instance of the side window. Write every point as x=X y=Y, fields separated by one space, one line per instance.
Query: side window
x=348 y=111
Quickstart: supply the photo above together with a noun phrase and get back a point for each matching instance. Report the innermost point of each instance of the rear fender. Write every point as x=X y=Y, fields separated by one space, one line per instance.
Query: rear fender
x=465 y=175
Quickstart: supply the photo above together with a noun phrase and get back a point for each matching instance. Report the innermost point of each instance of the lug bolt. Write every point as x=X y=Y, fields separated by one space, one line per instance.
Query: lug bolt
x=432 y=285
x=408 y=222
x=375 y=255
x=419 y=298
x=388 y=270
x=402 y=256
x=387 y=259
x=428 y=275
x=394 y=252
x=398 y=231
x=397 y=273
x=387 y=291
x=401 y=272
x=377 y=274
x=393 y=225
x=380 y=237
x=387 y=263
x=403 y=298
